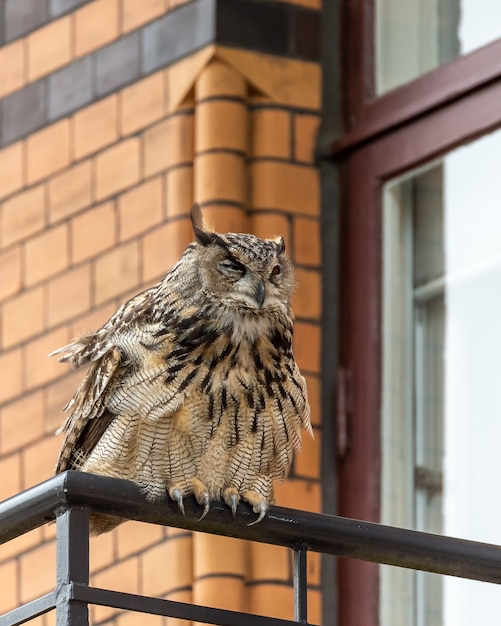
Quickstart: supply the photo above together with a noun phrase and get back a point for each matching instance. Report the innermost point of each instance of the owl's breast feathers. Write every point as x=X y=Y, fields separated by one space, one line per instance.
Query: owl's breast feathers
x=234 y=386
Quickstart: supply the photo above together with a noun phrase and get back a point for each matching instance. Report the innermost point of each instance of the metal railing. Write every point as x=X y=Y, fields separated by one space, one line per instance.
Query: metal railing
x=70 y=497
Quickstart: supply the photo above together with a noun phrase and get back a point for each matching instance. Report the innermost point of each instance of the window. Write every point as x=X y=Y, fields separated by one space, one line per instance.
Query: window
x=415 y=37
x=418 y=335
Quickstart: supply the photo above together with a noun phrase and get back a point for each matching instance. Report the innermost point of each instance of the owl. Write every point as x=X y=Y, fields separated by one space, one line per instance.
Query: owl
x=192 y=386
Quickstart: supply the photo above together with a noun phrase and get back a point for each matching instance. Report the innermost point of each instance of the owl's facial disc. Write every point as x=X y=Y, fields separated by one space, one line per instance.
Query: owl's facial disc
x=249 y=289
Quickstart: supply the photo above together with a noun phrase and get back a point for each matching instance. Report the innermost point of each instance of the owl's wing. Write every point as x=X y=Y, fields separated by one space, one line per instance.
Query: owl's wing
x=88 y=417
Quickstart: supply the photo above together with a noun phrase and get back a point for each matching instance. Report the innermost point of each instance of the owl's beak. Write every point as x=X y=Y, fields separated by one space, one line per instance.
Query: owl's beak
x=260 y=293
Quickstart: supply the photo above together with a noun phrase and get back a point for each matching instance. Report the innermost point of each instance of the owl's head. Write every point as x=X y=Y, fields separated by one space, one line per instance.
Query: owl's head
x=253 y=273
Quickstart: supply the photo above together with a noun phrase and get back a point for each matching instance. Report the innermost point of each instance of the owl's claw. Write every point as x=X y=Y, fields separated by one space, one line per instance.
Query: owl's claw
x=231 y=498
x=177 y=495
x=261 y=508
x=234 y=504
x=206 y=504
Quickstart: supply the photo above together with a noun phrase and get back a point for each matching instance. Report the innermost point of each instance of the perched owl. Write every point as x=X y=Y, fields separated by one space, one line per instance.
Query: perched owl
x=192 y=386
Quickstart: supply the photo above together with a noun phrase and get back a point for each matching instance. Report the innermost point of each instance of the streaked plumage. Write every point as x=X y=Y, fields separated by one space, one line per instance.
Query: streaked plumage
x=192 y=385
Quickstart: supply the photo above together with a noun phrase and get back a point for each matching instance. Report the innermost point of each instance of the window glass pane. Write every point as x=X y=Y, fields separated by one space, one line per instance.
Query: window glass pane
x=441 y=409
x=414 y=37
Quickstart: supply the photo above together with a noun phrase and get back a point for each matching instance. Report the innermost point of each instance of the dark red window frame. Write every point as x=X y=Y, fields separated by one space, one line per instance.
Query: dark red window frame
x=385 y=137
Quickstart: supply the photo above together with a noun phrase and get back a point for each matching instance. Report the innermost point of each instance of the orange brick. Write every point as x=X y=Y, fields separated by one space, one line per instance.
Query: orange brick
x=179 y=196
x=220 y=176
x=23 y=317
x=95 y=25
x=130 y=619
x=12 y=64
x=38 y=571
x=222 y=124
x=70 y=191
x=142 y=103
x=299 y=494
x=134 y=537
x=10 y=485
x=41 y=369
x=93 y=232
x=277 y=185
x=168 y=143
x=15 y=547
x=118 y=168
x=121 y=577
x=39 y=460
x=48 y=151
x=21 y=422
x=141 y=208
x=95 y=127
x=307 y=241
x=135 y=14
x=11 y=376
x=307 y=346
x=11 y=166
x=225 y=219
x=56 y=396
x=219 y=555
x=116 y=272
x=179 y=554
x=46 y=254
x=163 y=247
x=92 y=320
x=10 y=271
x=220 y=79
x=305 y=136
x=49 y=48
x=68 y=295
x=272 y=600
x=307 y=462
x=221 y=591
x=9 y=579
x=269 y=562
x=271 y=226
x=271 y=133
x=23 y=215
x=102 y=551
x=313 y=384
x=306 y=301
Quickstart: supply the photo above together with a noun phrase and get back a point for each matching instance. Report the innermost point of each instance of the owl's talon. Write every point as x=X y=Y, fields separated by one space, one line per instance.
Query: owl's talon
x=231 y=498
x=261 y=509
x=234 y=504
x=206 y=504
x=177 y=496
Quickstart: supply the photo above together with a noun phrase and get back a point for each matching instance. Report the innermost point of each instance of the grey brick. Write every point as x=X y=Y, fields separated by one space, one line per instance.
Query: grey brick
x=2 y=23
x=58 y=7
x=22 y=16
x=23 y=112
x=70 y=88
x=187 y=28
x=117 y=64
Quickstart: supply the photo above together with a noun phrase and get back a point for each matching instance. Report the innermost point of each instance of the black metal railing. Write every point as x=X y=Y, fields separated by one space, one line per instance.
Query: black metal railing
x=70 y=497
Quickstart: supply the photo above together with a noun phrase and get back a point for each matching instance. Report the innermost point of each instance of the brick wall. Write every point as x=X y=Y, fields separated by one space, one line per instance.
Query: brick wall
x=104 y=145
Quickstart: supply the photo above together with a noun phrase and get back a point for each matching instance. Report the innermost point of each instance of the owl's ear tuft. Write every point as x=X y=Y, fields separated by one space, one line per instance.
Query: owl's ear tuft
x=280 y=243
x=202 y=235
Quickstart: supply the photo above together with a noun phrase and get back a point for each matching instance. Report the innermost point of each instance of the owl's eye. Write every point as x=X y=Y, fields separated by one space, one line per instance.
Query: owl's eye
x=232 y=265
x=276 y=270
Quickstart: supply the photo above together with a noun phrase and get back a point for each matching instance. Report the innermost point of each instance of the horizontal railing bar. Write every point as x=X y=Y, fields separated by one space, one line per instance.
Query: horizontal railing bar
x=30 y=610
x=170 y=608
x=321 y=533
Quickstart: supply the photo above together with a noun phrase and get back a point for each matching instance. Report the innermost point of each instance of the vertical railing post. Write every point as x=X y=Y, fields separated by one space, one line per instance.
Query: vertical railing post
x=300 y=586
x=72 y=565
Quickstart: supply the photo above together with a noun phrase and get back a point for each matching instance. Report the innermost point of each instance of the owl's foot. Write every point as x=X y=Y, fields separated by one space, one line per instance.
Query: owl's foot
x=176 y=494
x=231 y=498
x=201 y=495
x=258 y=503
